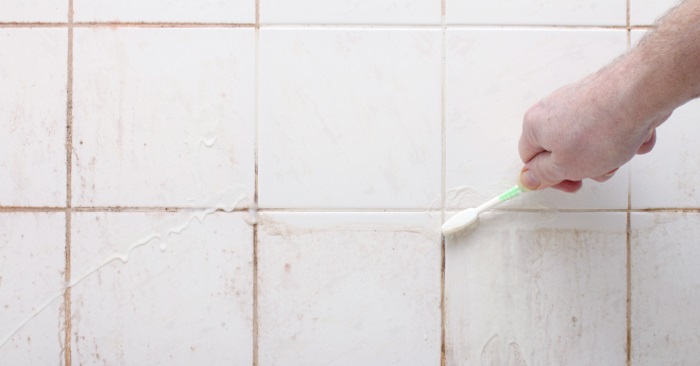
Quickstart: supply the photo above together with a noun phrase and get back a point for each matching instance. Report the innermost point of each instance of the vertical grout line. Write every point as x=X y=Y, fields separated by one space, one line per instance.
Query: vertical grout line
x=255 y=195
x=69 y=188
x=443 y=172
x=628 y=229
x=628 y=245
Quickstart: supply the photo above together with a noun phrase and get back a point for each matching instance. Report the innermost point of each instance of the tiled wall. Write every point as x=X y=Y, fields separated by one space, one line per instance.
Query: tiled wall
x=262 y=182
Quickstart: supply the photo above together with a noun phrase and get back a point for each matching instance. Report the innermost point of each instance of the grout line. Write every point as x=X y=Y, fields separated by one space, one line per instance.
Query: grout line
x=443 y=179
x=627 y=13
x=352 y=210
x=161 y=25
x=9 y=209
x=69 y=190
x=33 y=25
x=311 y=26
x=117 y=209
x=151 y=209
x=255 y=194
x=628 y=231
x=628 y=270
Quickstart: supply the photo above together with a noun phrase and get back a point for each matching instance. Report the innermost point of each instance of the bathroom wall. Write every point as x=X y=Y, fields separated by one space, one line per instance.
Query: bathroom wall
x=249 y=182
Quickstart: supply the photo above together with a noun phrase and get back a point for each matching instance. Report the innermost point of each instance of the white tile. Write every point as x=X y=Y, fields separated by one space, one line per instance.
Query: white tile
x=349 y=118
x=32 y=267
x=665 y=288
x=667 y=176
x=33 y=117
x=163 y=116
x=646 y=12
x=349 y=289
x=537 y=289
x=209 y=11
x=350 y=12
x=550 y=12
x=488 y=92
x=33 y=11
x=190 y=304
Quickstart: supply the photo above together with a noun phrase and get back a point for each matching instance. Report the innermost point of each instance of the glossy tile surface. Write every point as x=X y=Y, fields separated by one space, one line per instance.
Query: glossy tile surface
x=31 y=274
x=488 y=92
x=163 y=117
x=350 y=12
x=184 y=300
x=349 y=289
x=33 y=117
x=33 y=11
x=646 y=12
x=349 y=118
x=665 y=288
x=537 y=289
x=533 y=12
x=201 y=11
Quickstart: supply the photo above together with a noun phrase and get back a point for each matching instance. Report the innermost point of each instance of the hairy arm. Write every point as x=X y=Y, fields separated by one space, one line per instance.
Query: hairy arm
x=591 y=128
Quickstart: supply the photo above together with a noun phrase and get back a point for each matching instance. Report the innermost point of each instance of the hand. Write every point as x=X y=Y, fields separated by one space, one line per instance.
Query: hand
x=586 y=130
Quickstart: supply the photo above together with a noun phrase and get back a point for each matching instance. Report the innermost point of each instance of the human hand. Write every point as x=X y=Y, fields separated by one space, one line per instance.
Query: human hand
x=586 y=130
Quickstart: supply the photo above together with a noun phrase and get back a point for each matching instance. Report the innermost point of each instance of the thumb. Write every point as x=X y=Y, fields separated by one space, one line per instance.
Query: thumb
x=540 y=172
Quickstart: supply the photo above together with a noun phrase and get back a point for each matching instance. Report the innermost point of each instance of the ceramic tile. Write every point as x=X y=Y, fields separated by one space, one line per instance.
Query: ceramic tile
x=350 y=12
x=188 y=302
x=532 y=12
x=666 y=176
x=31 y=274
x=34 y=11
x=163 y=117
x=349 y=289
x=33 y=117
x=208 y=11
x=537 y=289
x=646 y=12
x=665 y=288
x=349 y=118
x=489 y=91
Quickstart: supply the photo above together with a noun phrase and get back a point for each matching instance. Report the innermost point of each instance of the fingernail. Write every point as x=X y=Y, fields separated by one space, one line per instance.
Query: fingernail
x=529 y=181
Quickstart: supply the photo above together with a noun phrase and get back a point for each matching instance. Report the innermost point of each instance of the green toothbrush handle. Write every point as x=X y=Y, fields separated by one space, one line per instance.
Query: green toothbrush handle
x=513 y=192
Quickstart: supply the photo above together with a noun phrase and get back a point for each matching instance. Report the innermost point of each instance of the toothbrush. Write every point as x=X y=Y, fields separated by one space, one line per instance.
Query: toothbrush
x=470 y=215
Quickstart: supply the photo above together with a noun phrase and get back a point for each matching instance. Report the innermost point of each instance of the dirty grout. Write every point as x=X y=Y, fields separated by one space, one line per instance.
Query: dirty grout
x=443 y=178
x=256 y=154
x=69 y=189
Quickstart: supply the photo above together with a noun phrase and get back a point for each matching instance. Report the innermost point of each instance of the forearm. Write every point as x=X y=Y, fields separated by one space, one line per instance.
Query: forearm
x=663 y=71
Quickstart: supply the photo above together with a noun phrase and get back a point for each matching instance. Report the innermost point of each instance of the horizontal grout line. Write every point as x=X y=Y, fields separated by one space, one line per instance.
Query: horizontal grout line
x=10 y=209
x=546 y=26
x=667 y=209
x=151 y=209
x=33 y=25
x=125 y=25
x=31 y=209
x=161 y=25
x=347 y=209
x=311 y=26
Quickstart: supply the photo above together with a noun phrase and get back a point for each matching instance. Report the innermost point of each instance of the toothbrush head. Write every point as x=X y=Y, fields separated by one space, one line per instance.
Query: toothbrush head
x=460 y=221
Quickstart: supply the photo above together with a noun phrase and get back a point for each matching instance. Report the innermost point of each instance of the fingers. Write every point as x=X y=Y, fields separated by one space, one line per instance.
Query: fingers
x=605 y=176
x=648 y=143
x=527 y=147
x=569 y=186
x=541 y=172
